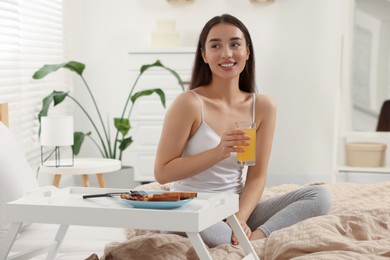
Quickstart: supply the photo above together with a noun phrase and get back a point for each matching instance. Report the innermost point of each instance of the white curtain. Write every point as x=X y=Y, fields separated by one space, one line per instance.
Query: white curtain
x=31 y=35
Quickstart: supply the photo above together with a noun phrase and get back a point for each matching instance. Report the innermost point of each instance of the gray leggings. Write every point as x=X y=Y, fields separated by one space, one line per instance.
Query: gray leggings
x=275 y=213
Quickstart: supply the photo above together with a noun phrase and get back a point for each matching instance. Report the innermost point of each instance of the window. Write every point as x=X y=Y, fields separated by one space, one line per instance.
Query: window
x=31 y=35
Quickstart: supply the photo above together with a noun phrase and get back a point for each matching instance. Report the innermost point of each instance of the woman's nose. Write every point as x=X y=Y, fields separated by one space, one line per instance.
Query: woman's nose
x=226 y=53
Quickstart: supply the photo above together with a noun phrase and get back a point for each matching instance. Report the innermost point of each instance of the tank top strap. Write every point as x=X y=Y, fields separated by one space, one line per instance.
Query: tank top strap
x=254 y=108
x=201 y=104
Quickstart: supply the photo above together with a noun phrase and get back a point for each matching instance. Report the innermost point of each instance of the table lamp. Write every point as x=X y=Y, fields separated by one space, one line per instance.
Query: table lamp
x=57 y=132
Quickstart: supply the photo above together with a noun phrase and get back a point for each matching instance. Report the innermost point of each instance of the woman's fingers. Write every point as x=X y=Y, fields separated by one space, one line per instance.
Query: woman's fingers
x=233 y=141
x=247 y=232
x=234 y=240
x=235 y=138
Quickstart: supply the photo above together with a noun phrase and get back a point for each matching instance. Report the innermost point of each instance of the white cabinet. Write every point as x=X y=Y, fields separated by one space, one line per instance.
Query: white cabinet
x=365 y=81
x=363 y=137
x=148 y=113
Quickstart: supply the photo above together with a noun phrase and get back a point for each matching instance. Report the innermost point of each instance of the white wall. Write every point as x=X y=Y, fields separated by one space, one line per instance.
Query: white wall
x=297 y=47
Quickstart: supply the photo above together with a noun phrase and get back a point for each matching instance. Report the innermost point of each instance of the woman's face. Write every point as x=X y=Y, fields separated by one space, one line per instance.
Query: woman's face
x=225 y=51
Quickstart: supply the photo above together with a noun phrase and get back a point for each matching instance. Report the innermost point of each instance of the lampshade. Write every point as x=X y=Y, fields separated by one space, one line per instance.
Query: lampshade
x=57 y=130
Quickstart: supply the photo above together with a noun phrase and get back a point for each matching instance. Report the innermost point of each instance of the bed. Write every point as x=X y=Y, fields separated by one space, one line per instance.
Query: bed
x=357 y=227
x=16 y=179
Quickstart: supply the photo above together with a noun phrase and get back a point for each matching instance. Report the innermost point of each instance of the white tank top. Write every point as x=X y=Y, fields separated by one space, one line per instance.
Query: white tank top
x=225 y=176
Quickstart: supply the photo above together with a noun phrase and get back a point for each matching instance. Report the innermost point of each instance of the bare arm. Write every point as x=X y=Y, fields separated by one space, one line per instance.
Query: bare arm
x=179 y=120
x=256 y=176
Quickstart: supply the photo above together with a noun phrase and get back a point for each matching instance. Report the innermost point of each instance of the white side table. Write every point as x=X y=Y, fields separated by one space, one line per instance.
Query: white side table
x=84 y=167
x=52 y=205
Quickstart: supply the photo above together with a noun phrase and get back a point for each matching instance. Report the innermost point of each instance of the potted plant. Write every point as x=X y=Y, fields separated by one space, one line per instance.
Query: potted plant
x=108 y=148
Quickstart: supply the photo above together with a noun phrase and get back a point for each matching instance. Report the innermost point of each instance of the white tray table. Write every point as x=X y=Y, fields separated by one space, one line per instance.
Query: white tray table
x=67 y=207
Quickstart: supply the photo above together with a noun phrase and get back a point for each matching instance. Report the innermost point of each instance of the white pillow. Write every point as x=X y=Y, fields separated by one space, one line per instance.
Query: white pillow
x=16 y=175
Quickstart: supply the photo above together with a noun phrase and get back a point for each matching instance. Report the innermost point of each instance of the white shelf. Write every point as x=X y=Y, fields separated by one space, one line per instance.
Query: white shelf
x=385 y=170
x=345 y=103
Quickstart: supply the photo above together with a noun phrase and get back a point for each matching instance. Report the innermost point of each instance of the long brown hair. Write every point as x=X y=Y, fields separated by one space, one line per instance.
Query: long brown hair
x=384 y=118
x=201 y=73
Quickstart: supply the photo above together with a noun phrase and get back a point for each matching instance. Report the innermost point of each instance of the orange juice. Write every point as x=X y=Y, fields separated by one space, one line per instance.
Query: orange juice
x=247 y=158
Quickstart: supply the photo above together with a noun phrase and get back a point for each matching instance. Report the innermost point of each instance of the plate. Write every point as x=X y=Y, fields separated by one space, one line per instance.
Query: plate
x=156 y=204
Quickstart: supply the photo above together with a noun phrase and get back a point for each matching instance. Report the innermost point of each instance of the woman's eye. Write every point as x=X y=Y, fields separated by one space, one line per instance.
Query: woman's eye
x=215 y=46
x=236 y=44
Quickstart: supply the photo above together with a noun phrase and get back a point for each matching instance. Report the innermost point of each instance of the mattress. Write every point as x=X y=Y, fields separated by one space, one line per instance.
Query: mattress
x=357 y=227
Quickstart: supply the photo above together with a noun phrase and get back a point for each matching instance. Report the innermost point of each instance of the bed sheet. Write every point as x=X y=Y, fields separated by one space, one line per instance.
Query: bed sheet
x=357 y=227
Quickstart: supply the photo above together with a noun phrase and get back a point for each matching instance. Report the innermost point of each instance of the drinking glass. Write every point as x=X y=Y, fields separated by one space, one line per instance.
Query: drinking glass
x=248 y=157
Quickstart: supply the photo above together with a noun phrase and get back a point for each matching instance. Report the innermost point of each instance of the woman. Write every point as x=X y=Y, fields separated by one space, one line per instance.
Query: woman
x=198 y=144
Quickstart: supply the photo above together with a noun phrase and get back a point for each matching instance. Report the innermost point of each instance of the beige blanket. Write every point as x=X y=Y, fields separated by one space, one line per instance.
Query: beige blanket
x=358 y=227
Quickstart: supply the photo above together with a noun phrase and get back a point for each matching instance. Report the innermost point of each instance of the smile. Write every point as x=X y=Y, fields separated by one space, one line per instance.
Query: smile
x=227 y=65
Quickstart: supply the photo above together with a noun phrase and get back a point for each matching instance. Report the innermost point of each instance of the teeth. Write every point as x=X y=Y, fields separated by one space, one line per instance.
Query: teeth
x=227 y=65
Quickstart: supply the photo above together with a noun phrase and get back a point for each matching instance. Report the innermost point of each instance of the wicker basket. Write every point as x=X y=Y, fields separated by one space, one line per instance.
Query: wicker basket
x=365 y=154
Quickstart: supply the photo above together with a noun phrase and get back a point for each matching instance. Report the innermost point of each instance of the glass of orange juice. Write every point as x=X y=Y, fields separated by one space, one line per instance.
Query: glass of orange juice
x=248 y=157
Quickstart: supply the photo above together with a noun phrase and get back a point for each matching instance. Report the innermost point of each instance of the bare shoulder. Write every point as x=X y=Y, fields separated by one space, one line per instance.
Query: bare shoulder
x=186 y=104
x=265 y=104
x=185 y=111
x=265 y=110
x=186 y=96
x=186 y=100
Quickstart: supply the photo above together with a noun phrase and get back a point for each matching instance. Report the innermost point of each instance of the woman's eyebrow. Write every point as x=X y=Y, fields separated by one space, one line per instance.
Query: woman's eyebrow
x=231 y=39
x=236 y=38
x=215 y=40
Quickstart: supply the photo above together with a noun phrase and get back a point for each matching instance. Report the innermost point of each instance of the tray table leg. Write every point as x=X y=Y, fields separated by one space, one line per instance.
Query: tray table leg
x=242 y=238
x=9 y=240
x=58 y=239
x=199 y=246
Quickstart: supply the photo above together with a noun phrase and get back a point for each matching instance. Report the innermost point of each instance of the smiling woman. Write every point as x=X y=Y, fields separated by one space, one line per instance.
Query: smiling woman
x=198 y=145
x=226 y=48
x=203 y=76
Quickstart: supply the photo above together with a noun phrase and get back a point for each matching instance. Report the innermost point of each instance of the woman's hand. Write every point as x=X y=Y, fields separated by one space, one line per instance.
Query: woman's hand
x=247 y=232
x=230 y=140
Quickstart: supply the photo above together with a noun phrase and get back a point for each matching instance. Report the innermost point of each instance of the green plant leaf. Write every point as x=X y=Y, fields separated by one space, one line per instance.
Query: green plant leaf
x=56 y=96
x=159 y=64
x=145 y=67
x=122 y=125
x=149 y=92
x=125 y=143
x=75 y=66
x=174 y=73
x=78 y=139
